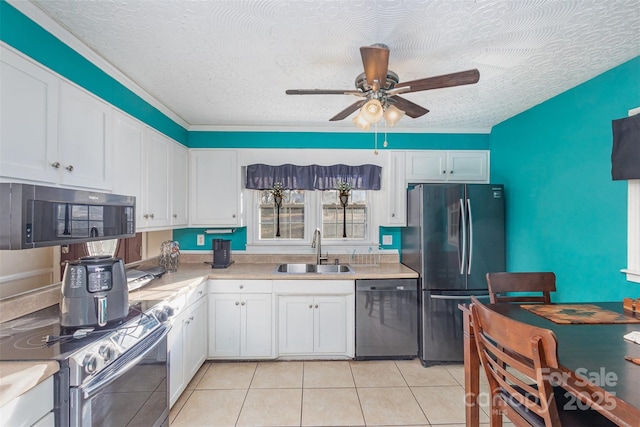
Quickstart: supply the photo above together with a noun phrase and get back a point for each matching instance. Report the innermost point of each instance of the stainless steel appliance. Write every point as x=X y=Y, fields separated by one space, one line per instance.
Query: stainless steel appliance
x=33 y=216
x=221 y=253
x=94 y=292
x=116 y=375
x=386 y=318
x=455 y=235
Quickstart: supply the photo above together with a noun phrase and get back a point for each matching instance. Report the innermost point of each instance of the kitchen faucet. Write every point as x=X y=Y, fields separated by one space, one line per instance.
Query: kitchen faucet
x=317 y=243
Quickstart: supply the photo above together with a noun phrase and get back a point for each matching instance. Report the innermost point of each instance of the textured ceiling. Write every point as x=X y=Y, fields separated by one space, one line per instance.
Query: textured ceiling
x=228 y=63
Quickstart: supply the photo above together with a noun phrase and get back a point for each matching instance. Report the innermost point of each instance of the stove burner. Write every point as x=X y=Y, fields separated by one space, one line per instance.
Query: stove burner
x=30 y=323
x=4 y=338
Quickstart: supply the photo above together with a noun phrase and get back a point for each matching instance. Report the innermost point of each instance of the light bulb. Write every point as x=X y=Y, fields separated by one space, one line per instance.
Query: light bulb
x=372 y=111
x=392 y=115
x=361 y=122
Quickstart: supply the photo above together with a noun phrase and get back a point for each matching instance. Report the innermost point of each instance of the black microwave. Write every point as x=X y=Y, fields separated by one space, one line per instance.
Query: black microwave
x=33 y=216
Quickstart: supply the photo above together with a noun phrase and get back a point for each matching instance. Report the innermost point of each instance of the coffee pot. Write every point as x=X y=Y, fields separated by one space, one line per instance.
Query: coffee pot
x=94 y=292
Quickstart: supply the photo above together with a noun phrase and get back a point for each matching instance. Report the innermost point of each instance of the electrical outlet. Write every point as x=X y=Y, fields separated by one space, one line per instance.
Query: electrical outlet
x=200 y=240
x=387 y=239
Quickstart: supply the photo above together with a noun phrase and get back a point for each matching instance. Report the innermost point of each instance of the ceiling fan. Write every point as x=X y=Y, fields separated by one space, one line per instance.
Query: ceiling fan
x=379 y=88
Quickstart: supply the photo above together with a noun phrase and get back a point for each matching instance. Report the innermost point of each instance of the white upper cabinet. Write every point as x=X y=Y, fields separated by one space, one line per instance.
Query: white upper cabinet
x=179 y=185
x=28 y=120
x=84 y=136
x=447 y=166
x=394 y=190
x=214 y=188
x=128 y=159
x=157 y=166
x=52 y=131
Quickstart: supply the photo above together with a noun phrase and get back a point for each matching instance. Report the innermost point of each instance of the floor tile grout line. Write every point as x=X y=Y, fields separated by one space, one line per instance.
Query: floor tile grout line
x=246 y=394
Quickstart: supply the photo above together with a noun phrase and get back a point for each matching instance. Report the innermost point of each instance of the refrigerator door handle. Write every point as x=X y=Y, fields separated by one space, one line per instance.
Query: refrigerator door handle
x=462 y=253
x=463 y=297
x=470 y=258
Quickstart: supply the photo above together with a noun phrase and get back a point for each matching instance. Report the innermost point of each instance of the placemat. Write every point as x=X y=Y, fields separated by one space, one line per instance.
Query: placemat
x=578 y=313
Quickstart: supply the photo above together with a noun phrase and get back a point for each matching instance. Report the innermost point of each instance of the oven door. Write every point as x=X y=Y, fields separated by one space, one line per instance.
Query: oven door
x=133 y=391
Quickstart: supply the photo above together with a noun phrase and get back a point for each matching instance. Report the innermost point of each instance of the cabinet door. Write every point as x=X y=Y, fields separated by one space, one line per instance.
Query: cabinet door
x=196 y=338
x=84 y=139
x=295 y=324
x=176 y=344
x=128 y=155
x=215 y=188
x=396 y=190
x=256 y=325
x=426 y=166
x=157 y=164
x=466 y=166
x=224 y=325
x=28 y=119
x=179 y=185
x=330 y=321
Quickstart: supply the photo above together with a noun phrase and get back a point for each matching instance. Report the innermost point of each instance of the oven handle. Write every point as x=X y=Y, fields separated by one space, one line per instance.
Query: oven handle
x=114 y=372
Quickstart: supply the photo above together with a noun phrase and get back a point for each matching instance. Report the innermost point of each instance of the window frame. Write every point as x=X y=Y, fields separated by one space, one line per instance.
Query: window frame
x=633 y=225
x=313 y=220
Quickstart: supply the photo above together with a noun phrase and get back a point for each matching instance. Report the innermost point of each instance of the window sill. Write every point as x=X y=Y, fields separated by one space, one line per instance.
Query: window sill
x=632 y=275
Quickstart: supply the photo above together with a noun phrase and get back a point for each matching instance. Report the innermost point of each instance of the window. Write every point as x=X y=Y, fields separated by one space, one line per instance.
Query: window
x=303 y=211
x=291 y=216
x=349 y=222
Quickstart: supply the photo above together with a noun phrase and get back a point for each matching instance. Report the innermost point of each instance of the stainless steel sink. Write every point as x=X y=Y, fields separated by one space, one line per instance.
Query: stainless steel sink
x=313 y=268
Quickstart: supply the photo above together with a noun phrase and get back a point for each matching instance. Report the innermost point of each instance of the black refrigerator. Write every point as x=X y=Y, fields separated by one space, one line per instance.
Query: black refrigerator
x=455 y=234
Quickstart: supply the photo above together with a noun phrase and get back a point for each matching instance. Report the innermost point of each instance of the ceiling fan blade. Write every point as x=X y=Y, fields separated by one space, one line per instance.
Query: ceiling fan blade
x=411 y=109
x=347 y=111
x=446 y=80
x=322 y=92
x=376 y=63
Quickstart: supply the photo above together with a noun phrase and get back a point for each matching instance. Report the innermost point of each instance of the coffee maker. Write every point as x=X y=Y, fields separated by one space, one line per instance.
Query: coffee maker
x=94 y=292
x=221 y=253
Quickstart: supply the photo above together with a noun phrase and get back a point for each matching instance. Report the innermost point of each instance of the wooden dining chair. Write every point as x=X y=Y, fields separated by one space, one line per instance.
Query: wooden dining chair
x=517 y=283
x=518 y=359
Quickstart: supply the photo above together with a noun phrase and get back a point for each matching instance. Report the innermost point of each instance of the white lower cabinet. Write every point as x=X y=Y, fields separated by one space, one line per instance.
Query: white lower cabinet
x=240 y=319
x=315 y=318
x=187 y=341
x=33 y=408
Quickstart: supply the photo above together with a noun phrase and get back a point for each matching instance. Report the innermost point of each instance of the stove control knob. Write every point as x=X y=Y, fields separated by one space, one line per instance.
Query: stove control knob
x=164 y=313
x=107 y=352
x=90 y=363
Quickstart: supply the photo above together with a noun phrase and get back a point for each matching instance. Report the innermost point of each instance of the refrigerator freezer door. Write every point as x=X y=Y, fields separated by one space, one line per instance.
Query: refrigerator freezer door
x=486 y=226
x=442 y=326
x=443 y=237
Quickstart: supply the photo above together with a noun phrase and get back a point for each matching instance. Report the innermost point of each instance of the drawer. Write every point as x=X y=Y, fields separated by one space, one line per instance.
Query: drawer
x=196 y=293
x=240 y=286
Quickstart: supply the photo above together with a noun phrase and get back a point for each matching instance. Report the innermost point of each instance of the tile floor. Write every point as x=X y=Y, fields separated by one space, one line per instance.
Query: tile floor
x=323 y=393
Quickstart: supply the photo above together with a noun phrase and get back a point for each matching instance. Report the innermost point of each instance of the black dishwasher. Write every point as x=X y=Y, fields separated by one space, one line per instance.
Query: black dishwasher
x=386 y=319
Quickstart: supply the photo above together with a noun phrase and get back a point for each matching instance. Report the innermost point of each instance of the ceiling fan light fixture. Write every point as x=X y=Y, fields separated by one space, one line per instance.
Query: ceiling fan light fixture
x=361 y=122
x=392 y=115
x=372 y=111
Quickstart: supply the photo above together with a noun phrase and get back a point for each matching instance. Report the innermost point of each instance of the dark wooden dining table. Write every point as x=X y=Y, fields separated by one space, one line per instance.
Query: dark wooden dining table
x=591 y=358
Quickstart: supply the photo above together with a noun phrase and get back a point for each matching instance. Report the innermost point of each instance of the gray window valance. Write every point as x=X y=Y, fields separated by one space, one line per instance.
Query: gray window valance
x=313 y=177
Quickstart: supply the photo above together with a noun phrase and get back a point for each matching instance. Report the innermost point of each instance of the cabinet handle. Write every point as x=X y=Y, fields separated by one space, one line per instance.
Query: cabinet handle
x=69 y=168
x=451 y=172
x=310 y=305
x=199 y=292
x=444 y=172
x=233 y=216
x=237 y=302
x=187 y=322
x=392 y=215
x=145 y=216
x=55 y=165
x=242 y=303
x=151 y=216
x=190 y=318
x=241 y=286
x=316 y=305
x=175 y=215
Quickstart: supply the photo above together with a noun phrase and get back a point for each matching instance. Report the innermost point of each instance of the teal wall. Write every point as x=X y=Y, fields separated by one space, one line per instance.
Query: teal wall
x=564 y=213
x=187 y=237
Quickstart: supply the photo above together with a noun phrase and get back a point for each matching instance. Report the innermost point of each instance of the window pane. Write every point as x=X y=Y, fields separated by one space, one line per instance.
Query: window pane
x=335 y=218
x=291 y=216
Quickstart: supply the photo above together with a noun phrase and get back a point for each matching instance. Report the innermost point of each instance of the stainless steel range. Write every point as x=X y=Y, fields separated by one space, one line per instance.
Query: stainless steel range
x=114 y=375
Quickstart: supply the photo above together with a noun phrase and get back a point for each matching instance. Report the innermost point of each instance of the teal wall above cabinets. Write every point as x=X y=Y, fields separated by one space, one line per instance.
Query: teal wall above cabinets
x=337 y=140
x=188 y=238
x=23 y=34
x=564 y=213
